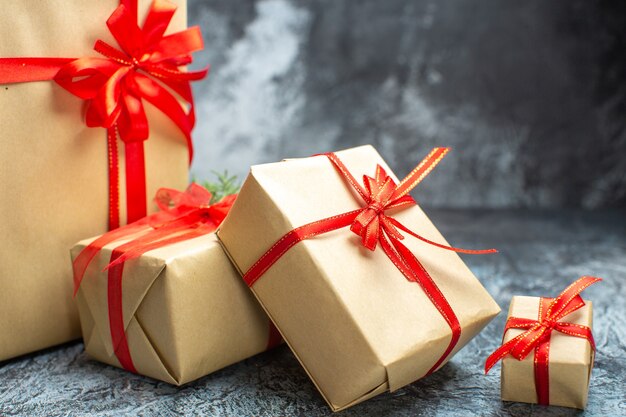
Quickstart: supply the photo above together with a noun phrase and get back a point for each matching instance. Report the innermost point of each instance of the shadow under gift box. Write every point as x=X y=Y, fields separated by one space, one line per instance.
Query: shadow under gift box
x=570 y=360
x=354 y=322
x=53 y=169
x=186 y=311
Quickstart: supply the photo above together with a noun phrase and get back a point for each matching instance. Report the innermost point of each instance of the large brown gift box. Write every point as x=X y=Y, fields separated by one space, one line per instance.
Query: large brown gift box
x=186 y=311
x=570 y=360
x=53 y=169
x=355 y=323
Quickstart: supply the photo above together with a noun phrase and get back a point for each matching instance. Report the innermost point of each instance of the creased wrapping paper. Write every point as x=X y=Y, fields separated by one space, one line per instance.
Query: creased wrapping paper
x=186 y=311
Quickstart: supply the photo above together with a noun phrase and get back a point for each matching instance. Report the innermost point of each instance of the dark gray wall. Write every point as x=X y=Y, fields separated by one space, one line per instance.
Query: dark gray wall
x=530 y=94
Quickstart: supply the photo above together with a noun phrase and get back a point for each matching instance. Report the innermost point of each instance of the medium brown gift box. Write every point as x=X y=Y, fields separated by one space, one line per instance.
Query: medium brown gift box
x=187 y=312
x=53 y=169
x=570 y=360
x=354 y=322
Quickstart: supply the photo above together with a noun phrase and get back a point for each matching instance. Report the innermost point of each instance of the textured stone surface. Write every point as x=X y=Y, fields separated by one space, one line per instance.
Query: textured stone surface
x=531 y=95
x=540 y=253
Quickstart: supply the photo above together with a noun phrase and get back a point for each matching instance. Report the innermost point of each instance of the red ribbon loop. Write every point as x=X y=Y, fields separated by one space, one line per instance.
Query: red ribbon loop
x=538 y=332
x=372 y=223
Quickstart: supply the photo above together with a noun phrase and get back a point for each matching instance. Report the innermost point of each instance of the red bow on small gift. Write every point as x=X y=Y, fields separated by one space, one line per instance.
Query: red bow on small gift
x=183 y=216
x=537 y=334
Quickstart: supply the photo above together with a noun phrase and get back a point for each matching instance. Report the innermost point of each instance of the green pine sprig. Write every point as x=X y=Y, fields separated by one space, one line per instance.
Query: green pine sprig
x=224 y=185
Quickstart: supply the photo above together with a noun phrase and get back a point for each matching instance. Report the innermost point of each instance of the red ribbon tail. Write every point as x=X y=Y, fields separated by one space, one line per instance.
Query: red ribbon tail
x=501 y=352
x=569 y=299
x=420 y=172
x=439 y=245
x=163 y=100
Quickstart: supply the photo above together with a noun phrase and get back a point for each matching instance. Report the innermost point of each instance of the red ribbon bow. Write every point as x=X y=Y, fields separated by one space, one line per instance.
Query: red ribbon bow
x=146 y=67
x=183 y=216
x=115 y=86
x=374 y=225
x=538 y=332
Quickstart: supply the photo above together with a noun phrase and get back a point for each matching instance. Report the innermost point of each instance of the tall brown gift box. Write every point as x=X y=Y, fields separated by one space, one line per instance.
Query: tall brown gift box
x=354 y=322
x=186 y=311
x=570 y=360
x=53 y=169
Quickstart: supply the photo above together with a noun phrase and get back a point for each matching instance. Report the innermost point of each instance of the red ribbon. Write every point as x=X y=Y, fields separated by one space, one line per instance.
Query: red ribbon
x=183 y=216
x=538 y=333
x=380 y=194
x=146 y=67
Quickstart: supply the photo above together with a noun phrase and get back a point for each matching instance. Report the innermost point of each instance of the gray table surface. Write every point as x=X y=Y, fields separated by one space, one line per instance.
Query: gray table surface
x=540 y=253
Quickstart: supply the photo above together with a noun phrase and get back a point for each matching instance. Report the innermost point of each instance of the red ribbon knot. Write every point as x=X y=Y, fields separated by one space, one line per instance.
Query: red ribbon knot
x=547 y=324
x=538 y=333
x=371 y=222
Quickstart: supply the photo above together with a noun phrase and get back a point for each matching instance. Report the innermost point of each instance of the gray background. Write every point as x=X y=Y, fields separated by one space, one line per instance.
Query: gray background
x=531 y=95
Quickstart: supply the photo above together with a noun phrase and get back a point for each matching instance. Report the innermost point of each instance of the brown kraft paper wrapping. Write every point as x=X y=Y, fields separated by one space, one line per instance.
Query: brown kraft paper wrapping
x=187 y=313
x=570 y=360
x=53 y=170
x=352 y=319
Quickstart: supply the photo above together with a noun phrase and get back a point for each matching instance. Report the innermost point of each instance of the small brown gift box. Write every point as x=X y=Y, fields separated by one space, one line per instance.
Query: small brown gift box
x=186 y=311
x=354 y=322
x=53 y=169
x=570 y=360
